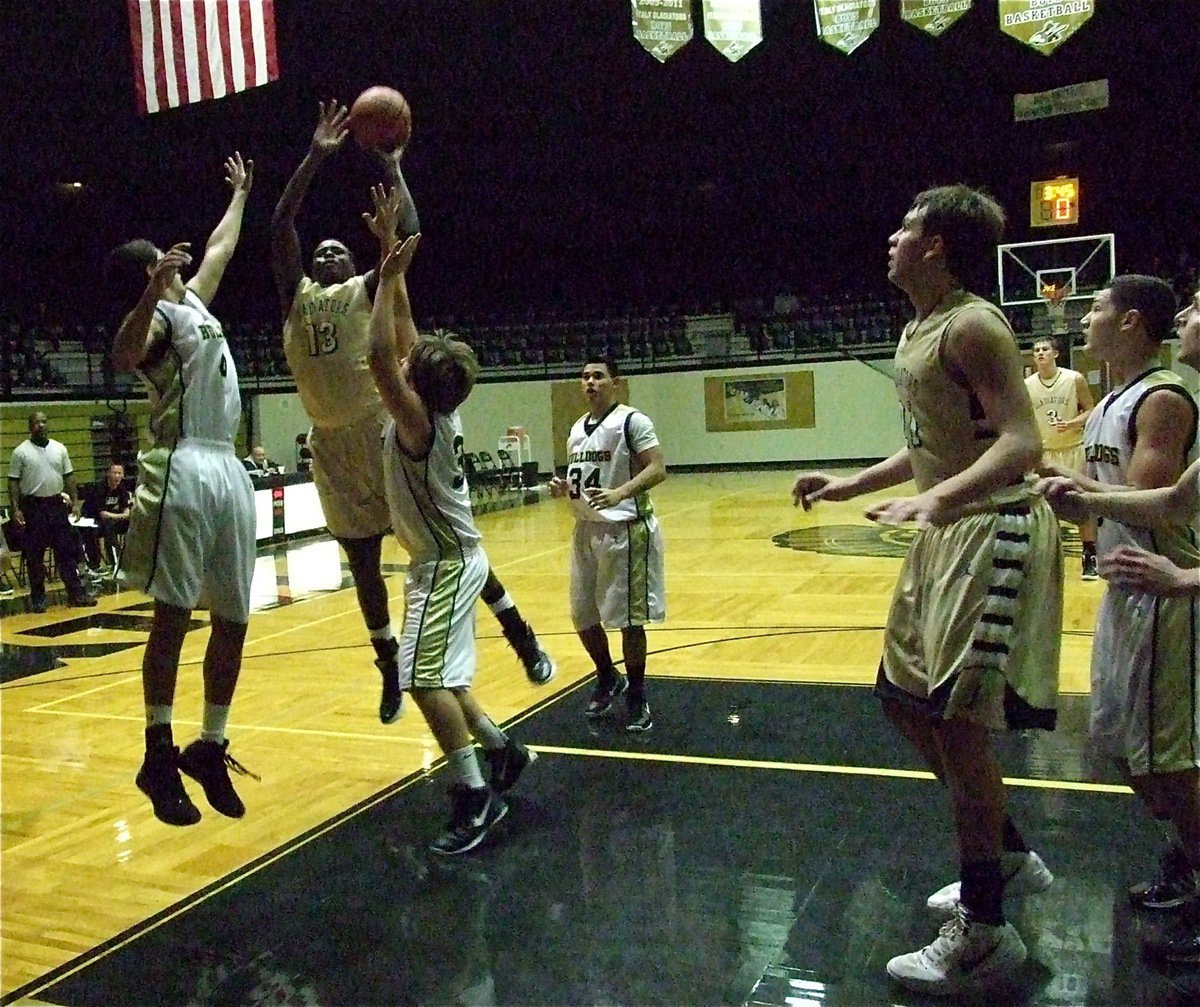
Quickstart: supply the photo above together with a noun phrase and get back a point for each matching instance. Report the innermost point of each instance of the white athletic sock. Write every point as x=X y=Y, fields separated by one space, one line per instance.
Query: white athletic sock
x=465 y=767
x=382 y=633
x=215 y=719
x=503 y=603
x=158 y=715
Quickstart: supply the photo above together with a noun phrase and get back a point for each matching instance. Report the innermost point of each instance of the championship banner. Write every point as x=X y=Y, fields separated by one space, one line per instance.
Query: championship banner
x=932 y=17
x=663 y=27
x=1044 y=25
x=846 y=24
x=733 y=27
x=1085 y=97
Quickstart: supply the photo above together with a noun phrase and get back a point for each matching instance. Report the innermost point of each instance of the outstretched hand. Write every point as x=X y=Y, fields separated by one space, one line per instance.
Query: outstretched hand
x=399 y=258
x=239 y=175
x=384 y=221
x=163 y=272
x=811 y=487
x=331 y=128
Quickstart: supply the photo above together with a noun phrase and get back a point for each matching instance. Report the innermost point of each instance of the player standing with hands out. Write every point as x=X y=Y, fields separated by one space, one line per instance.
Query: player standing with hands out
x=961 y=663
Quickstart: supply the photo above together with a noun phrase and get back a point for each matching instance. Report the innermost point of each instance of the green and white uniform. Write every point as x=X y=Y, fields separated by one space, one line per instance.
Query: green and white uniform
x=191 y=523
x=431 y=516
x=1145 y=670
x=975 y=624
x=617 y=577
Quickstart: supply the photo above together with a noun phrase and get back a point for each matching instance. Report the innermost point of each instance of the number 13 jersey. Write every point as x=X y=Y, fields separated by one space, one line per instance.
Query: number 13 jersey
x=325 y=339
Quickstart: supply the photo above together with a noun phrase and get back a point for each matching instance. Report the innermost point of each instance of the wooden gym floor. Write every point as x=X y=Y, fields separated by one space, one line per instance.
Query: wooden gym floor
x=769 y=842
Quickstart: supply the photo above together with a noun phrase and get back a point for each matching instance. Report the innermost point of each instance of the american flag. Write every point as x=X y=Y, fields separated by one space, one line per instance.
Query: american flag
x=192 y=50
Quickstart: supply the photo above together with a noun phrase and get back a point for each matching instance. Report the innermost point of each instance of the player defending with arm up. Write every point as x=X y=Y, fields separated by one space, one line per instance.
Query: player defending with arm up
x=422 y=383
x=191 y=526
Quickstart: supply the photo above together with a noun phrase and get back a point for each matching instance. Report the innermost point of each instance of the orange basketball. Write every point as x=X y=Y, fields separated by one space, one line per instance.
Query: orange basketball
x=380 y=118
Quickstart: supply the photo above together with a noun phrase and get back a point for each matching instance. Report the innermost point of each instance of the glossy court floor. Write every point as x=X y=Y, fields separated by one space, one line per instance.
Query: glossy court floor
x=769 y=842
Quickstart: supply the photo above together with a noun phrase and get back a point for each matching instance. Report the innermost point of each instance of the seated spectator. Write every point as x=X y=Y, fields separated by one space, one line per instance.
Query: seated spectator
x=259 y=465
x=108 y=505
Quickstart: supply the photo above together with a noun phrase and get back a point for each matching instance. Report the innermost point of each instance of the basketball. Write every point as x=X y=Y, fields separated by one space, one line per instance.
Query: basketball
x=380 y=118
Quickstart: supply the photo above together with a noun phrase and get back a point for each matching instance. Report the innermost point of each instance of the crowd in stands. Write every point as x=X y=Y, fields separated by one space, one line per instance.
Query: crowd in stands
x=52 y=357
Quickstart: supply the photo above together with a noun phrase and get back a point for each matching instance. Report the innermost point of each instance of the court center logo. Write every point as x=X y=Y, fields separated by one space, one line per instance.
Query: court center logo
x=876 y=540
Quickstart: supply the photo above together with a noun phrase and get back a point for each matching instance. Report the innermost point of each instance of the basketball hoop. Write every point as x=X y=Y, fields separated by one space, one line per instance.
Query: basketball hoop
x=1055 y=299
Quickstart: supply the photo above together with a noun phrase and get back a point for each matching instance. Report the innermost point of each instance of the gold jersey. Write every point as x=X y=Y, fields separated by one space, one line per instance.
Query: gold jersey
x=325 y=337
x=1055 y=401
x=944 y=424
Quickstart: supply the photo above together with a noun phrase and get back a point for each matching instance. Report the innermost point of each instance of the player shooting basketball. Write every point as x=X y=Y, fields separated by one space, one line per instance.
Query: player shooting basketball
x=325 y=337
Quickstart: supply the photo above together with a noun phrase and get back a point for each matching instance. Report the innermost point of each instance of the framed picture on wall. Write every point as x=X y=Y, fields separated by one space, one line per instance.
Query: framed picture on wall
x=782 y=401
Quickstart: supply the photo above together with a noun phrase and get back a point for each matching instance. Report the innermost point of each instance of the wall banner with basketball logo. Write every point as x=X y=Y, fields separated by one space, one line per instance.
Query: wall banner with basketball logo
x=1044 y=25
x=846 y=24
x=933 y=16
x=733 y=27
x=663 y=27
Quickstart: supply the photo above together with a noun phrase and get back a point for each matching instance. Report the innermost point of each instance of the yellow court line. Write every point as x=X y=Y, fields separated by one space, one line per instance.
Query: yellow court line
x=815 y=767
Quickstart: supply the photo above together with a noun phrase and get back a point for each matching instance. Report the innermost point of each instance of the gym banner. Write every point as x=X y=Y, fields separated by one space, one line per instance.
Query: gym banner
x=1044 y=25
x=733 y=27
x=846 y=24
x=933 y=16
x=1085 y=97
x=663 y=27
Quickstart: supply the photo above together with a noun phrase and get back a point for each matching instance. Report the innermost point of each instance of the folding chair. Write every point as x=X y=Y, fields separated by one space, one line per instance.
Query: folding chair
x=510 y=472
x=492 y=475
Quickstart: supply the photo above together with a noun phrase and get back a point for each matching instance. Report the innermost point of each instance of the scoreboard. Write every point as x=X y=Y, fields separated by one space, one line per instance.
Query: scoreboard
x=1054 y=202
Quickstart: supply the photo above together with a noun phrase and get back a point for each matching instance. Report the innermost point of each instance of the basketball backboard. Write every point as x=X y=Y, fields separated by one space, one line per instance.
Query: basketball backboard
x=1083 y=265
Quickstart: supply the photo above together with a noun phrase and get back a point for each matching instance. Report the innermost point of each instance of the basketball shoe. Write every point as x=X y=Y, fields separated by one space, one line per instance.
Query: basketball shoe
x=609 y=685
x=209 y=763
x=508 y=763
x=1024 y=874
x=159 y=779
x=1174 y=886
x=539 y=666
x=390 y=696
x=966 y=955
x=473 y=812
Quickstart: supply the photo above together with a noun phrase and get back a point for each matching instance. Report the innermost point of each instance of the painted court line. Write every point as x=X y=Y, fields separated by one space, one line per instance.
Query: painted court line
x=816 y=767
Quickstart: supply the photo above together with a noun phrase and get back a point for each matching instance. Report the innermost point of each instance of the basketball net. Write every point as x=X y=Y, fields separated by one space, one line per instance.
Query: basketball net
x=1056 y=307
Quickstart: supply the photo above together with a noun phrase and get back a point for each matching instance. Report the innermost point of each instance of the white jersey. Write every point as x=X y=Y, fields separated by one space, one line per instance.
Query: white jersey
x=600 y=455
x=191 y=376
x=1108 y=446
x=428 y=497
x=325 y=338
x=1055 y=402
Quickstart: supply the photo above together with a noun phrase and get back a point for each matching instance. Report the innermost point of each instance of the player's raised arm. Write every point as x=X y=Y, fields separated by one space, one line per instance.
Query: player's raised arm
x=393 y=334
x=286 y=261
x=223 y=241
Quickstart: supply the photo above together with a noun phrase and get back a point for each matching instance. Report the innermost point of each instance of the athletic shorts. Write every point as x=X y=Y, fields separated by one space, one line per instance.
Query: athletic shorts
x=976 y=620
x=1070 y=459
x=348 y=472
x=437 y=646
x=617 y=574
x=1145 y=679
x=191 y=529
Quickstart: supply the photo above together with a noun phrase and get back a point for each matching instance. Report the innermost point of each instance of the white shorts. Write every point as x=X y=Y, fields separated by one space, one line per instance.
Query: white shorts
x=617 y=576
x=437 y=647
x=191 y=529
x=348 y=471
x=1146 y=682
